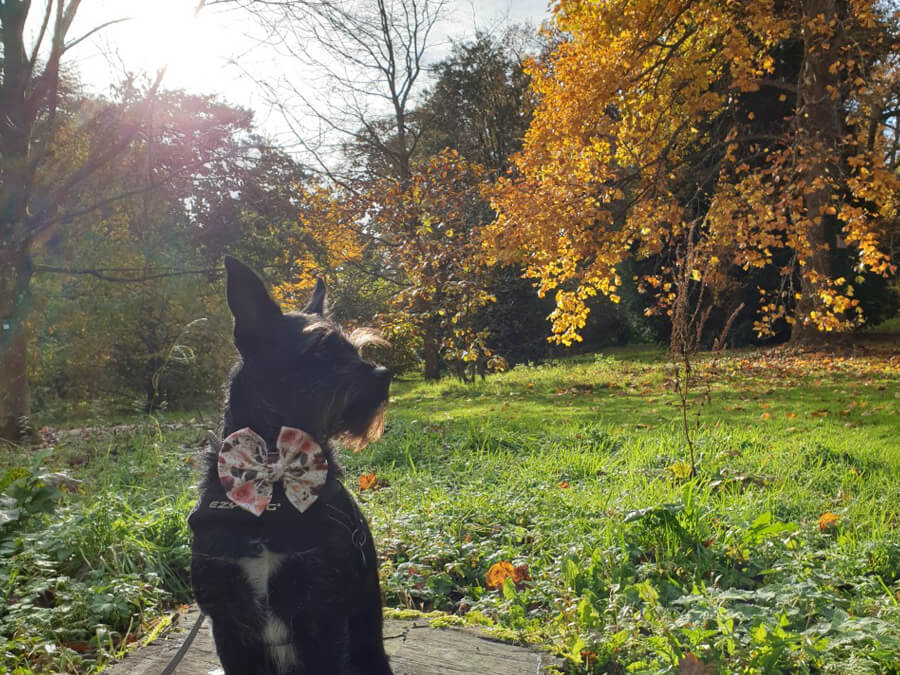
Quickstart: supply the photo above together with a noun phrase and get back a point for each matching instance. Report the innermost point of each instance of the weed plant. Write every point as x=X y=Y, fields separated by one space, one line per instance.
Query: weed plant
x=780 y=555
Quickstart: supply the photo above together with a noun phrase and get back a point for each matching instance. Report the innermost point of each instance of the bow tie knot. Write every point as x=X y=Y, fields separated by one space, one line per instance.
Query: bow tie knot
x=247 y=474
x=274 y=472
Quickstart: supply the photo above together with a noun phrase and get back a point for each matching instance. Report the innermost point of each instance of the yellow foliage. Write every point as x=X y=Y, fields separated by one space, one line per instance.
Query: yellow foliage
x=326 y=236
x=625 y=101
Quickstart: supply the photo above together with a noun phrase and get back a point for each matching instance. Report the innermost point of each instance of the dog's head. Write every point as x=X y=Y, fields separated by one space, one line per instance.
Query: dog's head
x=298 y=369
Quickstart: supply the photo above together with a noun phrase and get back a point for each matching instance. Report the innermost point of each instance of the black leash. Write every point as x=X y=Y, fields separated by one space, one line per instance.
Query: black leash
x=184 y=647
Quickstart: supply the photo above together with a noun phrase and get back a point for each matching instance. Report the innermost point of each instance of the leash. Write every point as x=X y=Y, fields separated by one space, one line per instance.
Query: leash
x=179 y=655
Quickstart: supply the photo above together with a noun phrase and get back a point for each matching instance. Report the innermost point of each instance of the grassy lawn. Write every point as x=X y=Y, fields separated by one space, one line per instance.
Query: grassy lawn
x=782 y=555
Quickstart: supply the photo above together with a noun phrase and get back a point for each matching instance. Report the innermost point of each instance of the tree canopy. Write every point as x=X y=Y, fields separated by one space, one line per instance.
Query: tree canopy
x=647 y=132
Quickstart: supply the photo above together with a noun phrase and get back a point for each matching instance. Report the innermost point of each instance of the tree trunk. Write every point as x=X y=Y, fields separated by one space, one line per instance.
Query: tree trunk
x=804 y=330
x=820 y=133
x=15 y=260
x=430 y=350
x=15 y=275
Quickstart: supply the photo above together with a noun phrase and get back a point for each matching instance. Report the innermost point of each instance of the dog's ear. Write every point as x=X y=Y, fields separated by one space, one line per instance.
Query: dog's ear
x=316 y=304
x=252 y=307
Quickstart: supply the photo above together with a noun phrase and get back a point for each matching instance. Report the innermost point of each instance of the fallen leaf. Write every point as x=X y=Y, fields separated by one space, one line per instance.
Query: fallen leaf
x=498 y=574
x=521 y=574
x=563 y=484
x=79 y=647
x=828 y=521
x=367 y=481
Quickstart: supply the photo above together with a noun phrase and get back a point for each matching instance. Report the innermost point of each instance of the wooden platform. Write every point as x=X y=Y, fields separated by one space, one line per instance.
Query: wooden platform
x=415 y=648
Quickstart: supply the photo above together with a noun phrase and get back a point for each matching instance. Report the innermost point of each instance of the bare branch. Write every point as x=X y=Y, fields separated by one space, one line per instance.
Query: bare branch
x=129 y=274
x=367 y=58
x=93 y=31
x=40 y=37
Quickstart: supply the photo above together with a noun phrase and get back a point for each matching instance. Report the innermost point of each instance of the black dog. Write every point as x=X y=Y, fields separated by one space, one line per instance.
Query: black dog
x=295 y=589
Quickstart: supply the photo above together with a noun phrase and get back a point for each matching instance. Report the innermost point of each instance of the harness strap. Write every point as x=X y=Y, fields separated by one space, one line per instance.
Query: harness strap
x=179 y=655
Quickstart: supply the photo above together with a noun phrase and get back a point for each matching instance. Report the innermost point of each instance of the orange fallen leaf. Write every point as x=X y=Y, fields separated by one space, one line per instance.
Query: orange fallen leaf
x=563 y=484
x=828 y=521
x=503 y=570
x=498 y=574
x=791 y=415
x=367 y=481
x=766 y=416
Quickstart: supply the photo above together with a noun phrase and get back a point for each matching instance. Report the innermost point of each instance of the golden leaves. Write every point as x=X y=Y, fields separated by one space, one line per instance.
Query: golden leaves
x=325 y=237
x=623 y=105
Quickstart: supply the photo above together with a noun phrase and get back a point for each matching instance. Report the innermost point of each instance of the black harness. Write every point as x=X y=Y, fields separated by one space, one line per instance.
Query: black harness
x=234 y=532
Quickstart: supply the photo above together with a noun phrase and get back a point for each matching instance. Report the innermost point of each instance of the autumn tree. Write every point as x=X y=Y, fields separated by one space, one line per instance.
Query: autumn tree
x=31 y=207
x=479 y=105
x=643 y=138
x=428 y=230
x=436 y=223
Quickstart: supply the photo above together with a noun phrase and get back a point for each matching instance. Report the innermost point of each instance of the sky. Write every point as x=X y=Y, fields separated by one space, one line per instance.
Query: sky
x=199 y=50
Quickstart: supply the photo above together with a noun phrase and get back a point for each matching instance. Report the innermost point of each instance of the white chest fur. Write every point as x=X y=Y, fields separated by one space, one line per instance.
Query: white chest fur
x=276 y=635
x=259 y=570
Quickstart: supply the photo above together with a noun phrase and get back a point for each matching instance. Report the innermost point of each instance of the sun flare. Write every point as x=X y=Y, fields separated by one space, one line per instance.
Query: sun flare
x=192 y=46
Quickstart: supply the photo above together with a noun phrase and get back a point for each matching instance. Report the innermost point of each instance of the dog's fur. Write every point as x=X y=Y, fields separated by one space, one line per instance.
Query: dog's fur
x=291 y=593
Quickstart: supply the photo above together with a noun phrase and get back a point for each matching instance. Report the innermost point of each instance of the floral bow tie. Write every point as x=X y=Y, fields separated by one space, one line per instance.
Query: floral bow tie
x=247 y=471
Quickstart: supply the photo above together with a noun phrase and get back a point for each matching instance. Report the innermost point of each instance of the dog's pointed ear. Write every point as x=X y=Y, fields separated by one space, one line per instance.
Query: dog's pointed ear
x=316 y=304
x=252 y=307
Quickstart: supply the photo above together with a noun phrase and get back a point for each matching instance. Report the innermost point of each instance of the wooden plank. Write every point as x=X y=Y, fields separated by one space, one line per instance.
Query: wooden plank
x=413 y=646
x=417 y=649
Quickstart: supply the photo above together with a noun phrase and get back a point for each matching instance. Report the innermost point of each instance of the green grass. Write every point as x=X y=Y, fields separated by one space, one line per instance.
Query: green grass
x=574 y=470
